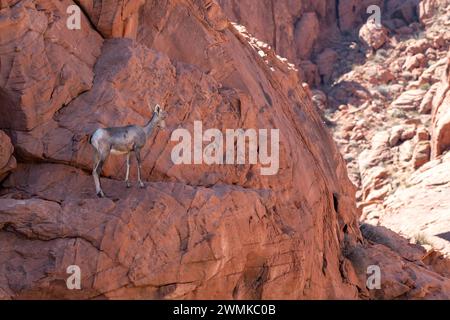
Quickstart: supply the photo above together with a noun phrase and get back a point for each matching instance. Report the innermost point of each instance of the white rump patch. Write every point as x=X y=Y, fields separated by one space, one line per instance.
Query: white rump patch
x=97 y=136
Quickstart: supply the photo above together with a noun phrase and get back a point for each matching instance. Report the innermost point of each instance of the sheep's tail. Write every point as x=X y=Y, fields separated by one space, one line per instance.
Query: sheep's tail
x=91 y=138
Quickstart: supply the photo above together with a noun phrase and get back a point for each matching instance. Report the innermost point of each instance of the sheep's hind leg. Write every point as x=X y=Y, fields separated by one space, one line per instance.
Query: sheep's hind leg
x=138 y=158
x=98 y=163
x=128 y=172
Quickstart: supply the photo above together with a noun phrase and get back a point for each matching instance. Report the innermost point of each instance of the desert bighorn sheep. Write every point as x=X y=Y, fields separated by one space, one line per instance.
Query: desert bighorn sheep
x=123 y=140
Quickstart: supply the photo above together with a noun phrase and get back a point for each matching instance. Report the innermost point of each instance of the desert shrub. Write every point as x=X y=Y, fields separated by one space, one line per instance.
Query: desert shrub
x=399 y=114
x=422 y=239
x=425 y=86
x=383 y=89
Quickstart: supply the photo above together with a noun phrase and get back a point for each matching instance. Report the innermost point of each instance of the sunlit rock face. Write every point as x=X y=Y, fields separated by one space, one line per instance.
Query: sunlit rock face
x=196 y=231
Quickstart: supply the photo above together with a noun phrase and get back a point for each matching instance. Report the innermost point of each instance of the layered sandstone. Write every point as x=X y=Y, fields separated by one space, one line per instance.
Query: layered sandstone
x=44 y=64
x=7 y=160
x=196 y=231
x=303 y=30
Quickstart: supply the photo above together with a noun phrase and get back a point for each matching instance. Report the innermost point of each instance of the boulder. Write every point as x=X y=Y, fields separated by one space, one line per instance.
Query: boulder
x=422 y=134
x=420 y=210
x=427 y=101
x=372 y=35
x=396 y=134
x=417 y=61
x=416 y=47
x=421 y=154
x=409 y=100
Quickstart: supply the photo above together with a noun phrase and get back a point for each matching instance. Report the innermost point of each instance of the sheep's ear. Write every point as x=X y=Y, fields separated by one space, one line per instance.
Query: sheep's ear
x=157 y=108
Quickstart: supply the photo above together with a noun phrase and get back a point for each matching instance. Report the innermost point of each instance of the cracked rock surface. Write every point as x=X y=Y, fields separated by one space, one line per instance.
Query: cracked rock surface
x=195 y=231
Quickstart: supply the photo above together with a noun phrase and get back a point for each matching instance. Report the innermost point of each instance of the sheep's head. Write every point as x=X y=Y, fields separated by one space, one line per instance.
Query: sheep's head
x=161 y=114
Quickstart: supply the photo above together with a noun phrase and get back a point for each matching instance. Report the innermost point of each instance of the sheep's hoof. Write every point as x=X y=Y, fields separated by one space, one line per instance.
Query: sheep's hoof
x=128 y=185
x=100 y=194
x=141 y=185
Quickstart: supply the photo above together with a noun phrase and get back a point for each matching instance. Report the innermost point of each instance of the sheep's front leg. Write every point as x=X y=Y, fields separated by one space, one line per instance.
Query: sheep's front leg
x=138 y=158
x=98 y=164
x=128 y=172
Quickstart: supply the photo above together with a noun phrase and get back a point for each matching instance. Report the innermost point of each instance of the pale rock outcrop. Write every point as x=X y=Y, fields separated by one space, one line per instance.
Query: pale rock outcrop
x=373 y=183
x=413 y=62
x=379 y=75
x=400 y=133
x=422 y=152
x=197 y=231
x=427 y=101
x=421 y=209
x=386 y=142
x=186 y=235
x=440 y=131
x=409 y=100
x=396 y=134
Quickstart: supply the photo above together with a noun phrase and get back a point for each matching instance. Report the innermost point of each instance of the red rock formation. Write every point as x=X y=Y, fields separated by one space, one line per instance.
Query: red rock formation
x=196 y=242
x=7 y=160
x=196 y=231
x=421 y=209
x=372 y=35
x=440 y=136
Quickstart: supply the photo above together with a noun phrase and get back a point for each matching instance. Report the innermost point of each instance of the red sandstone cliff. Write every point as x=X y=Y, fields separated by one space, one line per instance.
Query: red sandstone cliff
x=196 y=231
